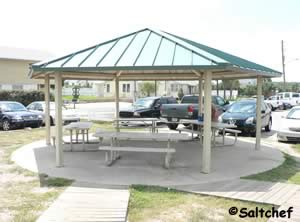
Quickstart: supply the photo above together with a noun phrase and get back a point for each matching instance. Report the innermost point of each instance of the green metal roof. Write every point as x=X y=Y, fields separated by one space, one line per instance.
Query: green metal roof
x=149 y=49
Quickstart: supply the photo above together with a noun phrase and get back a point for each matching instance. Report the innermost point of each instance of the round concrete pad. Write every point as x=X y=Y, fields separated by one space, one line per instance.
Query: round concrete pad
x=228 y=162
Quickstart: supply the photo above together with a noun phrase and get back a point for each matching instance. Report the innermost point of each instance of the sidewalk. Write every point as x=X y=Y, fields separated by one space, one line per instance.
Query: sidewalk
x=88 y=204
x=279 y=194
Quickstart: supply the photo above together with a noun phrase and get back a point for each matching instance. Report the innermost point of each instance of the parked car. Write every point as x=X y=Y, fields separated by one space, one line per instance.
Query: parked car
x=243 y=115
x=290 y=97
x=188 y=109
x=290 y=126
x=147 y=107
x=39 y=107
x=14 y=115
x=275 y=102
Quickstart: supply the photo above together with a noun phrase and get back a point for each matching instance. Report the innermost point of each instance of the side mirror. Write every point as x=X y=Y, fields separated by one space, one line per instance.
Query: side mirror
x=40 y=110
x=263 y=111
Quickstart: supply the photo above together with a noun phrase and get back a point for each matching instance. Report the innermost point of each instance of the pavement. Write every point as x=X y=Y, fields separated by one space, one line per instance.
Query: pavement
x=229 y=162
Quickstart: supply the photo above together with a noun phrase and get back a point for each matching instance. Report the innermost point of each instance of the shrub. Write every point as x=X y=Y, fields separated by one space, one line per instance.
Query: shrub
x=24 y=97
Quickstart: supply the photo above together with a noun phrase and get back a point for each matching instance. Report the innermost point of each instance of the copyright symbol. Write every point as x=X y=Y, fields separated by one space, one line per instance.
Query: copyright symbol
x=233 y=210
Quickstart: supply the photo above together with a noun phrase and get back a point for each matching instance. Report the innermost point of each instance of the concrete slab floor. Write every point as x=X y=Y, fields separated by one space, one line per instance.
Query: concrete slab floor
x=147 y=168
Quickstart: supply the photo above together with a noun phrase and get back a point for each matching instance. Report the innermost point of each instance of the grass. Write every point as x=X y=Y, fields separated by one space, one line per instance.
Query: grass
x=296 y=147
x=96 y=99
x=23 y=194
x=287 y=172
x=150 y=203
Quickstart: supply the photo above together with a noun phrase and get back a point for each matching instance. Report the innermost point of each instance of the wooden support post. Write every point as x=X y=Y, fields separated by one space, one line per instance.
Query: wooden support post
x=58 y=120
x=206 y=156
x=258 y=112
x=47 y=110
x=117 y=95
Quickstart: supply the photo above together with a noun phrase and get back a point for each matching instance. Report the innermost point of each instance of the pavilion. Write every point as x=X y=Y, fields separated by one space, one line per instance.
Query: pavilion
x=150 y=55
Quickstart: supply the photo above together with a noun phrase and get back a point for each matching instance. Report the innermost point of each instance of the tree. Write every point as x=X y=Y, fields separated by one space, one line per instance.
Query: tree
x=147 y=88
x=180 y=94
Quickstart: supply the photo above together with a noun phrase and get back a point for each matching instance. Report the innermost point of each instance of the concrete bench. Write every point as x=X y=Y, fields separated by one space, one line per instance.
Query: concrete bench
x=110 y=159
x=196 y=132
x=233 y=131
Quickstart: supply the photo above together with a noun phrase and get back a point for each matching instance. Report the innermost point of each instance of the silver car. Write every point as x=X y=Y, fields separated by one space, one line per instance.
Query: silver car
x=68 y=115
x=290 y=127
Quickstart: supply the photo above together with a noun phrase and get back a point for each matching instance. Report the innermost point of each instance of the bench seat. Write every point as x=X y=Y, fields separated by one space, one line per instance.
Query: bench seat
x=110 y=159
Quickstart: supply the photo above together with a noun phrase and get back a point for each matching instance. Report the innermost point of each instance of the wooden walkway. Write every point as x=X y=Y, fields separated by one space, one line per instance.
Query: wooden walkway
x=86 y=204
x=279 y=194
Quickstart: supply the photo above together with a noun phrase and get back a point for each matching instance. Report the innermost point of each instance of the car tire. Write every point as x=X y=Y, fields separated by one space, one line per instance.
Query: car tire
x=253 y=134
x=269 y=126
x=6 y=126
x=186 y=124
x=172 y=126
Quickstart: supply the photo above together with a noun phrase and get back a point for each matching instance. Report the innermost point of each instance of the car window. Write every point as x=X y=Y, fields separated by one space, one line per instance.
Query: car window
x=190 y=99
x=172 y=100
x=241 y=107
x=12 y=107
x=157 y=103
x=220 y=101
x=164 y=100
x=286 y=95
x=294 y=114
x=295 y=95
x=31 y=106
x=39 y=107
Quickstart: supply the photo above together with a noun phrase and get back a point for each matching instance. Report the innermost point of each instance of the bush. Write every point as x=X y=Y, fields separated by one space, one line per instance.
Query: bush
x=24 y=97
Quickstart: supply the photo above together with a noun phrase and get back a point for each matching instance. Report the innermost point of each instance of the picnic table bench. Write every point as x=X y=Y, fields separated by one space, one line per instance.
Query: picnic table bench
x=112 y=151
x=215 y=126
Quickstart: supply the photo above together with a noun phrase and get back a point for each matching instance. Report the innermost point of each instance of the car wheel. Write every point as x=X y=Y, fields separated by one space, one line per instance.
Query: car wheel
x=186 y=124
x=172 y=126
x=269 y=126
x=6 y=125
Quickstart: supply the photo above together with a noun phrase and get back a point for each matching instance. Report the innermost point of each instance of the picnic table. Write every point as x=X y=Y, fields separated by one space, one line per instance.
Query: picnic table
x=134 y=123
x=215 y=126
x=79 y=128
x=112 y=151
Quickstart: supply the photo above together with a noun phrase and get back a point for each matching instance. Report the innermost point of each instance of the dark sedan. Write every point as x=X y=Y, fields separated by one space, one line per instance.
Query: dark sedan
x=243 y=115
x=147 y=107
x=14 y=115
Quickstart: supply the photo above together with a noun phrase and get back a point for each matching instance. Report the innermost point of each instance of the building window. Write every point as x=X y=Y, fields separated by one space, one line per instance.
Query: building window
x=17 y=87
x=124 y=88
x=128 y=87
x=108 y=88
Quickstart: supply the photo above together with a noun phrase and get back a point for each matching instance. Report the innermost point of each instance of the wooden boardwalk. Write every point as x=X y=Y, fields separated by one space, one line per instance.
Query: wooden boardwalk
x=88 y=204
x=279 y=194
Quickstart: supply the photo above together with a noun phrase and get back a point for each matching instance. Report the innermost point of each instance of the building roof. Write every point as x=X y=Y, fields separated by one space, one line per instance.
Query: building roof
x=23 y=54
x=151 y=51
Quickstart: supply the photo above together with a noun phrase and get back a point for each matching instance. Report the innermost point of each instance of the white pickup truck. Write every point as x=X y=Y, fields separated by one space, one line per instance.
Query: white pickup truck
x=290 y=97
x=275 y=102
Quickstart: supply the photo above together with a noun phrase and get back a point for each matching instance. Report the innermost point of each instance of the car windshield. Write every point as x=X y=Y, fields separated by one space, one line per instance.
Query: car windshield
x=144 y=103
x=293 y=114
x=12 y=107
x=190 y=99
x=242 y=108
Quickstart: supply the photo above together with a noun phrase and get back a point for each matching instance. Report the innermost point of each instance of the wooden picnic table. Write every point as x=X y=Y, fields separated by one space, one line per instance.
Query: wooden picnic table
x=79 y=127
x=129 y=121
x=117 y=136
x=215 y=126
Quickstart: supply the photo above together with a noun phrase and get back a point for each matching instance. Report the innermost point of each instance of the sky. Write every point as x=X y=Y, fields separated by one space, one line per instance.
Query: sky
x=251 y=29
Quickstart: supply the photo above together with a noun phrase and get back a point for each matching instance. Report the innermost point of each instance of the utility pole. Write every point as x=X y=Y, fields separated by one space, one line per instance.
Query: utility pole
x=283 y=64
